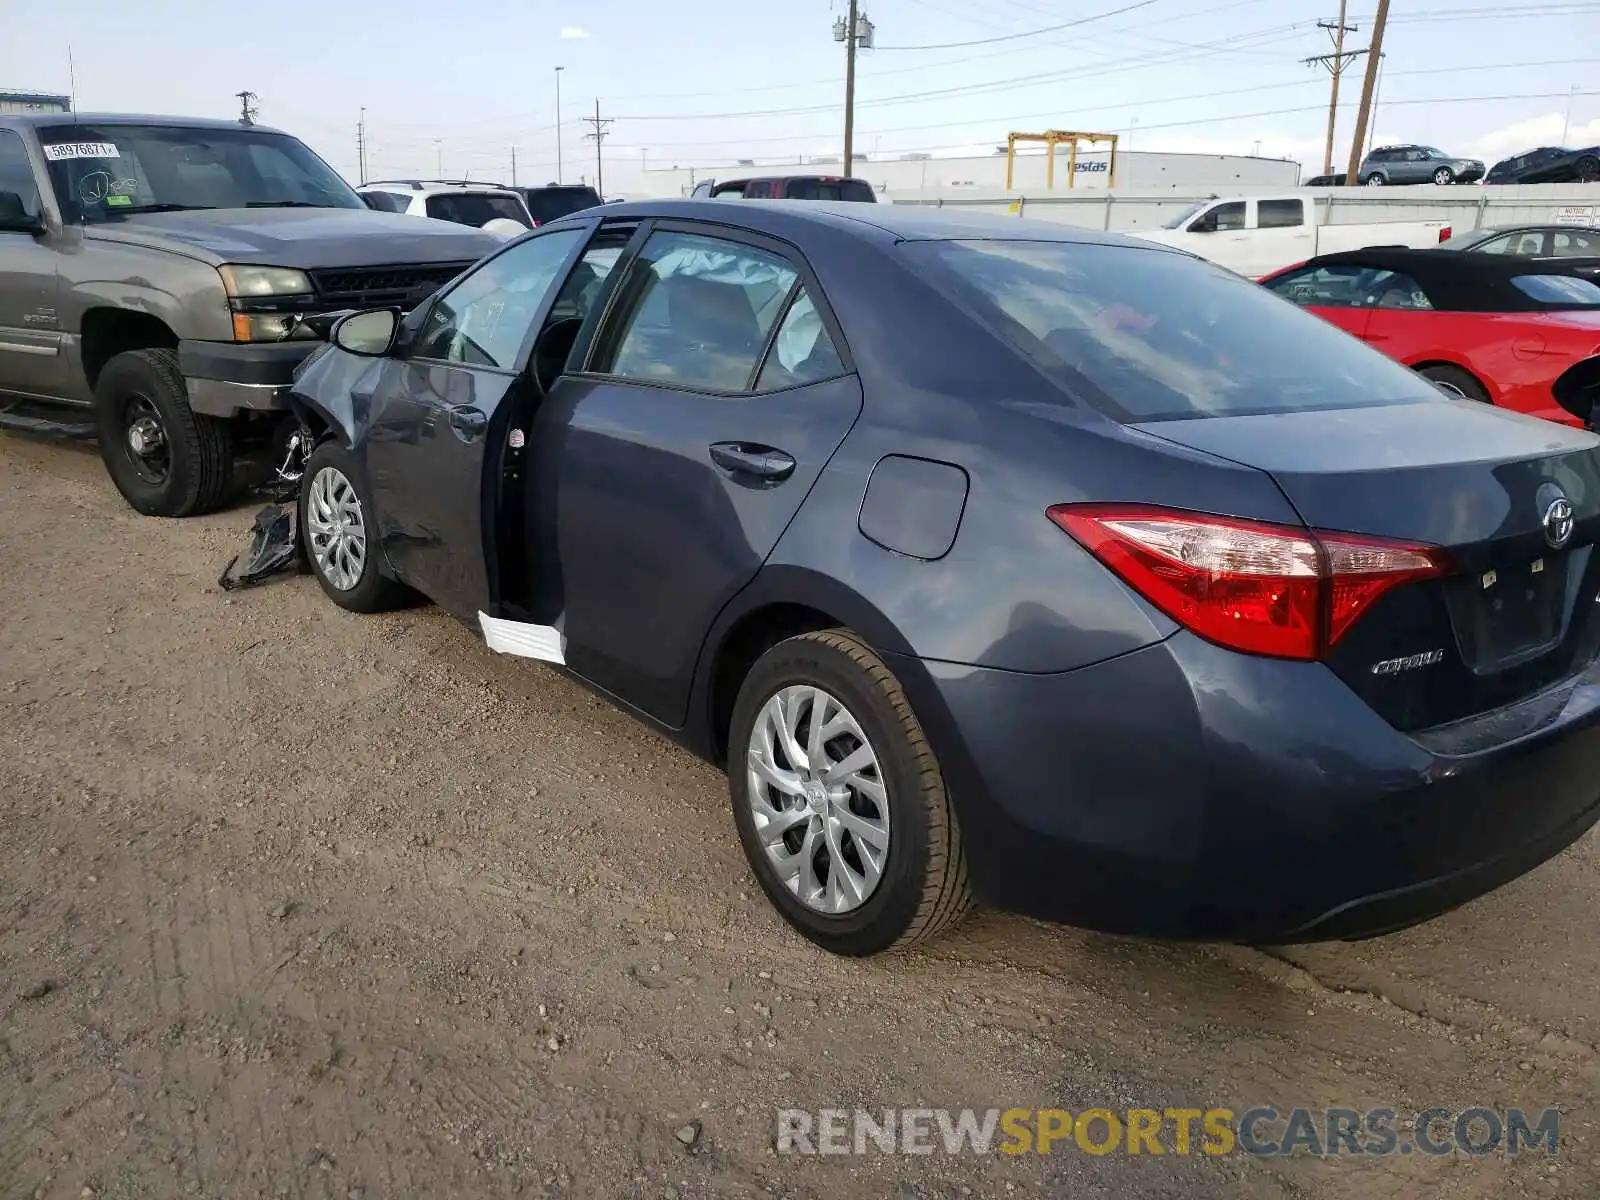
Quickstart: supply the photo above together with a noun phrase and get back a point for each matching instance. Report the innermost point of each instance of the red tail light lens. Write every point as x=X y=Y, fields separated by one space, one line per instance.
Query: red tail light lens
x=1266 y=589
x=1444 y=234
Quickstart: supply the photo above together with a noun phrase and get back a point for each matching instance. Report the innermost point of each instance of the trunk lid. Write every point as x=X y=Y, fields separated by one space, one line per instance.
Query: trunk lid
x=1518 y=614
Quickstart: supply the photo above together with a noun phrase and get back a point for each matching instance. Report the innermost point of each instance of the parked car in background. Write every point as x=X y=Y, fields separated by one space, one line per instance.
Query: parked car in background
x=1487 y=327
x=1416 y=164
x=498 y=210
x=1548 y=164
x=557 y=200
x=1325 y=180
x=930 y=526
x=787 y=187
x=1573 y=248
x=1257 y=235
x=156 y=277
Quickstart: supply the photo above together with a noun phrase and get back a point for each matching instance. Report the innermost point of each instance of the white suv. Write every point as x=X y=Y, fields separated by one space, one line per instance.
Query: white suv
x=497 y=210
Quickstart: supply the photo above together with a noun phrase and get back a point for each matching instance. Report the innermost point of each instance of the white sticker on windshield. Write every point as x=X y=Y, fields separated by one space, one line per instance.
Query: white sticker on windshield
x=57 y=151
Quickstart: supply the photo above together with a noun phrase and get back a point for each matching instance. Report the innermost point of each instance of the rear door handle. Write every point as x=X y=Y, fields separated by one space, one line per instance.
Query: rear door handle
x=762 y=462
x=469 y=422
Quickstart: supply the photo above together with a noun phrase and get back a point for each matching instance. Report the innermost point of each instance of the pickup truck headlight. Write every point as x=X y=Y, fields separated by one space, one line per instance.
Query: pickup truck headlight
x=245 y=283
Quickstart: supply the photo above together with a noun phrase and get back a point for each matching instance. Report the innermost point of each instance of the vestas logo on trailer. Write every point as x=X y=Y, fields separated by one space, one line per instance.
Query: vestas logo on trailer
x=1093 y=166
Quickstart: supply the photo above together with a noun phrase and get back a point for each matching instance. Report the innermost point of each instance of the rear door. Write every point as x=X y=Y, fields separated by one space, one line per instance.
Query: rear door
x=1283 y=234
x=438 y=418
x=671 y=457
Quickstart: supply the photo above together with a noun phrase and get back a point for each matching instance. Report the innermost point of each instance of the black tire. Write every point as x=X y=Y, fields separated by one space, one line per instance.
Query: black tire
x=1444 y=176
x=924 y=888
x=1376 y=179
x=373 y=591
x=1587 y=169
x=1457 y=380
x=191 y=469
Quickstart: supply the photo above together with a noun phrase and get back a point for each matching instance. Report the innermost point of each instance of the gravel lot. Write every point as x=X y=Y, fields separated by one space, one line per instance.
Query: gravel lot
x=299 y=903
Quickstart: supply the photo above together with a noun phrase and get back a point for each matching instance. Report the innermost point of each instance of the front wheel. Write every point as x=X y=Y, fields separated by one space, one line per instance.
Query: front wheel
x=1456 y=381
x=839 y=801
x=1588 y=169
x=1374 y=180
x=338 y=532
x=1444 y=176
x=166 y=459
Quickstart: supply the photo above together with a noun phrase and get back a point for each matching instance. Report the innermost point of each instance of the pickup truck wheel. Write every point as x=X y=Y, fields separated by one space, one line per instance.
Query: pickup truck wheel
x=1455 y=380
x=839 y=801
x=166 y=459
x=338 y=532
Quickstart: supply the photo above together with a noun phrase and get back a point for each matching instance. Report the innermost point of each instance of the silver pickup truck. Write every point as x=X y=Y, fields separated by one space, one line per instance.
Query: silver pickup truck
x=156 y=277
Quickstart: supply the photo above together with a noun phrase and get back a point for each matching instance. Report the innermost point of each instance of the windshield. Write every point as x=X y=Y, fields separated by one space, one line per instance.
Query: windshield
x=1149 y=335
x=105 y=172
x=1184 y=216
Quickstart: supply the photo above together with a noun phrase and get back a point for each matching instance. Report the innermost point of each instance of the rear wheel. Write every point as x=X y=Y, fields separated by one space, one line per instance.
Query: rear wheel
x=1444 y=176
x=839 y=801
x=1588 y=169
x=1454 y=379
x=166 y=459
x=338 y=533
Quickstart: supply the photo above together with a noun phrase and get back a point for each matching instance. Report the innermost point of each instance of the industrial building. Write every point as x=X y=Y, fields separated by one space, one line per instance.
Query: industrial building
x=18 y=102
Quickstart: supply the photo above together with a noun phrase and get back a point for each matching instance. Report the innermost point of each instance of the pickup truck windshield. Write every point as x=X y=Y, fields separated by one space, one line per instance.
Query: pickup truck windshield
x=107 y=172
x=1183 y=217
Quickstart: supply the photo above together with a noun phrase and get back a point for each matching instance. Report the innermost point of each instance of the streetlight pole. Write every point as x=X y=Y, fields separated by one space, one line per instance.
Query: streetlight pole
x=558 y=123
x=1567 y=123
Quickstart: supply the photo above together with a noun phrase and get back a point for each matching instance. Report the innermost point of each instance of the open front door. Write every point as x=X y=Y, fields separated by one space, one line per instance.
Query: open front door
x=441 y=416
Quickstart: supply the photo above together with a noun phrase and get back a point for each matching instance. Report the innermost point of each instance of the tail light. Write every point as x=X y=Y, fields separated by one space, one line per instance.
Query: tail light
x=1276 y=590
x=1444 y=234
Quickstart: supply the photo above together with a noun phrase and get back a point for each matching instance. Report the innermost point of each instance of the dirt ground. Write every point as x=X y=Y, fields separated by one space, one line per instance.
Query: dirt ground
x=299 y=903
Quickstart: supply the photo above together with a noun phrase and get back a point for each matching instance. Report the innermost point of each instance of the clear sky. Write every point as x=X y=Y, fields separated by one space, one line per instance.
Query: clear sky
x=457 y=83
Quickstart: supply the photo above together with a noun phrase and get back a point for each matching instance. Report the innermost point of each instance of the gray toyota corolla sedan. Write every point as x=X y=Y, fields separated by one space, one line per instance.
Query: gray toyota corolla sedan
x=995 y=560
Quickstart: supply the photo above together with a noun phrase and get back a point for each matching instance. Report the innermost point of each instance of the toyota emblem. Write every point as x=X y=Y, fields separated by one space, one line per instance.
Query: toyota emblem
x=1558 y=522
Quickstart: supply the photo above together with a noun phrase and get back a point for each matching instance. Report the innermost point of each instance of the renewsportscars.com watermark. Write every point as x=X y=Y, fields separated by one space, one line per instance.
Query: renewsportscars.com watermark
x=1261 y=1132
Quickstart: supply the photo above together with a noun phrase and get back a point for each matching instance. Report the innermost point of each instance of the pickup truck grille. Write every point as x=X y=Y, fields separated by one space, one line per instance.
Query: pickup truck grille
x=380 y=287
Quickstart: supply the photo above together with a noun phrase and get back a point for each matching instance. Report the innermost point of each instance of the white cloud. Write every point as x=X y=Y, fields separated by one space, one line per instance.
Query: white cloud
x=1535 y=131
x=574 y=33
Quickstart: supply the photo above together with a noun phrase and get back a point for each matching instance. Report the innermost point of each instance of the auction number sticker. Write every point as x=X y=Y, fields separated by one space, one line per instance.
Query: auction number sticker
x=63 y=150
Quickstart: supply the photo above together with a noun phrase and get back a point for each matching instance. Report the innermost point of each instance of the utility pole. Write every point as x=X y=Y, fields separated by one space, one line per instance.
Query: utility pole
x=558 y=123
x=513 y=166
x=361 y=144
x=601 y=129
x=1364 y=109
x=1335 y=63
x=850 y=90
x=247 y=110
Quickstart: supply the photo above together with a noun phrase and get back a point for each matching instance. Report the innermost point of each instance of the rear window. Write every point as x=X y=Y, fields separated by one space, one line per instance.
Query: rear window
x=555 y=203
x=1148 y=336
x=476 y=208
x=829 y=189
x=1559 y=291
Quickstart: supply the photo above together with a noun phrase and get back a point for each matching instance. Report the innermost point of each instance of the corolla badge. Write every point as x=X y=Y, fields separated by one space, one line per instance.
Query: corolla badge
x=1558 y=522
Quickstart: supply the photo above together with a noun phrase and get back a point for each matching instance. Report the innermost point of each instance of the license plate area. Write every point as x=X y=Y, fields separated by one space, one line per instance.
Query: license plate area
x=1509 y=615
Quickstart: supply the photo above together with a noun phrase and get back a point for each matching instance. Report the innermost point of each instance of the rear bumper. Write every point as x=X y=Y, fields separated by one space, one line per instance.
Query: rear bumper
x=1186 y=791
x=227 y=378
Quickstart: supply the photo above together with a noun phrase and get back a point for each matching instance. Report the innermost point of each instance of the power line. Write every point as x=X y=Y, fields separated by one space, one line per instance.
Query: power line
x=1011 y=37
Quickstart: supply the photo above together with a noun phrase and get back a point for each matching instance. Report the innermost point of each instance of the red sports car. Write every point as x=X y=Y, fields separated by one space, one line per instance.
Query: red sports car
x=1505 y=331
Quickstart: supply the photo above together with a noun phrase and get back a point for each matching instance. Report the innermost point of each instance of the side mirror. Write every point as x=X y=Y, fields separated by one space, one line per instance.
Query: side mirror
x=369 y=334
x=15 y=217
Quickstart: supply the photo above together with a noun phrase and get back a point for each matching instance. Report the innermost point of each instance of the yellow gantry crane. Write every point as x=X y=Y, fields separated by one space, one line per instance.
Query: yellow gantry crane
x=1052 y=138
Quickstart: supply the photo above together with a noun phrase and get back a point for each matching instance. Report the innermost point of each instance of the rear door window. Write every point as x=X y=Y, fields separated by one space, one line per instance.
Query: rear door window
x=1148 y=335
x=695 y=312
x=1279 y=214
x=1573 y=244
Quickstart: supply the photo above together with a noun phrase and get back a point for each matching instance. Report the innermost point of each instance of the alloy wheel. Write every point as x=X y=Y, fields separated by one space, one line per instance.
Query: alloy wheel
x=1443 y=176
x=818 y=798
x=338 y=532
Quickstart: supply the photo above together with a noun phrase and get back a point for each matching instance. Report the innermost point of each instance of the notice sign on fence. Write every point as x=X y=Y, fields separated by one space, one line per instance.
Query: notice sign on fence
x=1575 y=214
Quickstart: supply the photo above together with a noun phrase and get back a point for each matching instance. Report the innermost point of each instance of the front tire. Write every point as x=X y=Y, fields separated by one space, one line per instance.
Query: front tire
x=166 y=459
x=1374 y=180
x=1444 y=176
x=338 y=532
x=1454 y=379
x=839 y=801
x=1588 y=169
